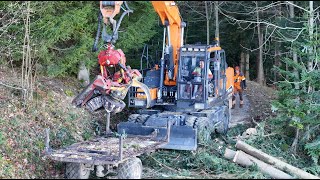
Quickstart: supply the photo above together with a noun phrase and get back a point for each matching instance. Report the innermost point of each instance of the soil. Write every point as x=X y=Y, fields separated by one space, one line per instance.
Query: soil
x=256 y=106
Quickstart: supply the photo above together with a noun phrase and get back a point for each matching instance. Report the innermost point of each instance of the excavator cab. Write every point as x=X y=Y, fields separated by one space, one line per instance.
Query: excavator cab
x=202 y=78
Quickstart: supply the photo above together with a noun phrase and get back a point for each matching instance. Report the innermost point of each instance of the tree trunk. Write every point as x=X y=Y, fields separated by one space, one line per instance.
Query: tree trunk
x=260 y=77
x=247 y=66
x=273 y=161
x=216 y=13
x=229 y=154
x=276 y=60
x=311 y=56
x=246 y=160
x=27 y=78
x=242 y=62
x=294 y=54
x=208 y=22
x=294 y=144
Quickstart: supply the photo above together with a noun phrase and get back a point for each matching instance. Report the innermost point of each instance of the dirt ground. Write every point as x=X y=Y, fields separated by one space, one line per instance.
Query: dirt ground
x=256 y=107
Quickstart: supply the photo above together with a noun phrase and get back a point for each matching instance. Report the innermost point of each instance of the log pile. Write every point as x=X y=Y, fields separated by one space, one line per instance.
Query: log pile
x=247 y=155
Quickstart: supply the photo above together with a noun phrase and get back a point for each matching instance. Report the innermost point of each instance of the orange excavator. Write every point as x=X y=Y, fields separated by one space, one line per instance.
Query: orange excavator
x=190 y=88
x=180 y=101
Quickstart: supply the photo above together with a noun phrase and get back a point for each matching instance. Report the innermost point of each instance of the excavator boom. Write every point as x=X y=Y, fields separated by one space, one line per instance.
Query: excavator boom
x=170 y=17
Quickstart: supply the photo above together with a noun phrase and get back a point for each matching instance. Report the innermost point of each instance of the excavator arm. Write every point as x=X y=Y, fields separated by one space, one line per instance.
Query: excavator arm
x=173 y=40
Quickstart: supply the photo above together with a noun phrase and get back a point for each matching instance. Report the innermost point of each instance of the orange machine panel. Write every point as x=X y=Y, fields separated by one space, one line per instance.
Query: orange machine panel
x=153 y=93
x=229 y=74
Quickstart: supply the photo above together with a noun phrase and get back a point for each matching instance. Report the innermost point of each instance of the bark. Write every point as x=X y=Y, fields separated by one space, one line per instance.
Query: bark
x=295 y=142
x=246 y=160
x=216 y=13
x=26 y=68
x=242 y=61
x=260 y=78
x=294 y=53
x=273 y=161
x=276 y=60
x=208 y=22
x=311 y=56
x=247 y=66
x=229 y=154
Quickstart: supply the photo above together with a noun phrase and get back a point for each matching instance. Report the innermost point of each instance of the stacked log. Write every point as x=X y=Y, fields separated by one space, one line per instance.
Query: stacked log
x=246 y=160
x=247 y=155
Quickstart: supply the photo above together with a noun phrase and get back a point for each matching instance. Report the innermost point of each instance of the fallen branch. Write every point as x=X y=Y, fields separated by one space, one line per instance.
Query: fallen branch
x=18 y=88
x=273 y=161
x=161 y=164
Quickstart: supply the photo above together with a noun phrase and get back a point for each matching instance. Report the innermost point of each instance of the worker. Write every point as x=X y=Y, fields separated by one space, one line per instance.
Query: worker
x=239 y=86
x=198 y=72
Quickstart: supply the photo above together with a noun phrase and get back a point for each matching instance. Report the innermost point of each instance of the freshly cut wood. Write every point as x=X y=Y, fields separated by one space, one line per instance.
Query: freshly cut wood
x=246 y=160
x=229 y=154
x=274 y=161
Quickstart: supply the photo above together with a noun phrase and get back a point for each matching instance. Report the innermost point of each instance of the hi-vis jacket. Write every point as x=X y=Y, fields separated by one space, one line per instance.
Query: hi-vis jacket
x=238 y=78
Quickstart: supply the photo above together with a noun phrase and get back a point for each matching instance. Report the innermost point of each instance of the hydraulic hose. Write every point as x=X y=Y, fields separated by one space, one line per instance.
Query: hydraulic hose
x=115 y=32
x=94 y=48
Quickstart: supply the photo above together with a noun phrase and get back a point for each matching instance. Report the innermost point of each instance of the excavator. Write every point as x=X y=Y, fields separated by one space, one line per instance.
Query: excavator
x=180 y=101
x=190 y=88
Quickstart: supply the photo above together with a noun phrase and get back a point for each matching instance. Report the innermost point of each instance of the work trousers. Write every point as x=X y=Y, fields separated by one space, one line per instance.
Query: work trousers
x=240 y=95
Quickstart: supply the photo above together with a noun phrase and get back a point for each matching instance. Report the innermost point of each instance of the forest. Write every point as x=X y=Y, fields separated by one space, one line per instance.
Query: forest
x=275 y=43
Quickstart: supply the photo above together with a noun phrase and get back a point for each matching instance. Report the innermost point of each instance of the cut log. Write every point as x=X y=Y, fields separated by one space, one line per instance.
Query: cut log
x=229 y=154
x=246 y=160
x=274 y=161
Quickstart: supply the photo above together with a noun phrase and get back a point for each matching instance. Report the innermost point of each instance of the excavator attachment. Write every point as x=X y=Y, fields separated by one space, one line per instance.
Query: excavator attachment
x=99 y=93
x=181 y=136
x=84 y=95
x=108 y=10
x=93 y=98
x=145 y=89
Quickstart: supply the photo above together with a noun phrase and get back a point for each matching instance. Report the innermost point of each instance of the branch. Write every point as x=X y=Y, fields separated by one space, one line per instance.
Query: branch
x=161 y=164
x=261 y=44
x=195 y=10
x=288 y=2
x=19 y=88
x=255 y=22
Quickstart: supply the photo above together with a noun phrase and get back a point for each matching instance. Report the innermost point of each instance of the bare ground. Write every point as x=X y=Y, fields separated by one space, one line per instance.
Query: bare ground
x=256 y=107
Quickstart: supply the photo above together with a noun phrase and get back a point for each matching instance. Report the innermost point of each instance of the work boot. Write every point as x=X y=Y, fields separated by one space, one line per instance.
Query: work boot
x=241 y=105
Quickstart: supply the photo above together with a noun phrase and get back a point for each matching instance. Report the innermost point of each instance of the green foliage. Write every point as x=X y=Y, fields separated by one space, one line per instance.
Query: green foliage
x=138 y=27
x=69 y=93
x=298 y=106
x=313 y=149
x=62 y=33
